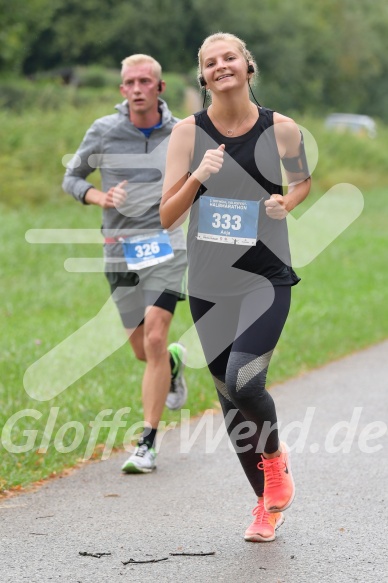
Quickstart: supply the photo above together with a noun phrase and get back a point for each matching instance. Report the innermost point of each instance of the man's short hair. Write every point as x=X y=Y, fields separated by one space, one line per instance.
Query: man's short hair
x=138 y=59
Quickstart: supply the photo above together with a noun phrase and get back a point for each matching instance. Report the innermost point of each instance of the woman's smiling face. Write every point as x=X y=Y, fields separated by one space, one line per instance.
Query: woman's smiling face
x=223 y=65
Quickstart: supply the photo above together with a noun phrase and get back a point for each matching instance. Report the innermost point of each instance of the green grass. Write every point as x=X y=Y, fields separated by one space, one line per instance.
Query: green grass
x=338 y=307
x=42 y=304
x=35 y=143
x=344 y=157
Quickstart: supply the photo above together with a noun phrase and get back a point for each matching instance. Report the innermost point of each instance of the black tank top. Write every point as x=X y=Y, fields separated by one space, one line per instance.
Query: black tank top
x=251 y=172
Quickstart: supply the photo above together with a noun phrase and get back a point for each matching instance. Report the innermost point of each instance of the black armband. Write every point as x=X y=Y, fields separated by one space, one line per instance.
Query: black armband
x=298 y=165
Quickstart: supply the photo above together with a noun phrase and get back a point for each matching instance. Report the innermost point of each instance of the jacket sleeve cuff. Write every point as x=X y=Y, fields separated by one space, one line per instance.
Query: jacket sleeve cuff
x=82 y=198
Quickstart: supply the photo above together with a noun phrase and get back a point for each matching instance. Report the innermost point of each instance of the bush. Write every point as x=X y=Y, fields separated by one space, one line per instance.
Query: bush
x=175 y=90
x=78 y=87
x=96 y=76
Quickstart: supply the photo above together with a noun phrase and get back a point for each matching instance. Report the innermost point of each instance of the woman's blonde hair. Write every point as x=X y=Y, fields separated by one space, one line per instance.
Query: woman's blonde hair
x=138 y=60
x=228 y=37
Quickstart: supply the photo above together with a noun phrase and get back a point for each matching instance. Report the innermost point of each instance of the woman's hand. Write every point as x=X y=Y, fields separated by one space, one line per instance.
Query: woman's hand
x=211 y=164
x=276 y=207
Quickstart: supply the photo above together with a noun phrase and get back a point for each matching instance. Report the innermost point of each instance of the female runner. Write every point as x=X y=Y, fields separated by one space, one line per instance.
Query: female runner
x=224 y=168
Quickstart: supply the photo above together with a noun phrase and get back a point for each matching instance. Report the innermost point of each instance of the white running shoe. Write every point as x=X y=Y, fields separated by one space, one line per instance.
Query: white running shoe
x=142 y=461
x=177 y=396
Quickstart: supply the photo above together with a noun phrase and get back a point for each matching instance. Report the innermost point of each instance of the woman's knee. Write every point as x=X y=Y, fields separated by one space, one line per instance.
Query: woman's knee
x=246 y=376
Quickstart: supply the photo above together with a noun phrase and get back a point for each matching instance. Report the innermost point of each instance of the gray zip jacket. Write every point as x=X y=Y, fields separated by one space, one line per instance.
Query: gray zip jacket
x=122 y=152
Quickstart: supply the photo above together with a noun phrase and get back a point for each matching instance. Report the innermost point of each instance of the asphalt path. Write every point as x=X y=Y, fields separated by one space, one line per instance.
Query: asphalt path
x=198 y=500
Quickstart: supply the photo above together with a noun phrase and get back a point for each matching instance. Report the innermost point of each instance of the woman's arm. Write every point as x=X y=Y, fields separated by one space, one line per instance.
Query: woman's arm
x=291 y=150
x=180 y=188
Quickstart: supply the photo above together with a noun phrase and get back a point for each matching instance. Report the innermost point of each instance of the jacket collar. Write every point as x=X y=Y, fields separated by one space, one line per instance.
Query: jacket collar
x=123 y=108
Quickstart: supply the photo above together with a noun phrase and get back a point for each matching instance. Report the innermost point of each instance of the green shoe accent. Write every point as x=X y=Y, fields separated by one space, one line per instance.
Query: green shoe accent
x=142 y=461
x=178 y=354
x=177 y=395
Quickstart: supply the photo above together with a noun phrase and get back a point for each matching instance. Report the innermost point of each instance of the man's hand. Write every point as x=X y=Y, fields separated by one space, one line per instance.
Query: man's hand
x=116 y=195
x=114 y=198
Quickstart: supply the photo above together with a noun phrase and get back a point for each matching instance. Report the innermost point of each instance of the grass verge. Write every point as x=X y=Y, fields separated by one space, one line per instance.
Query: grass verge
x=338 y=308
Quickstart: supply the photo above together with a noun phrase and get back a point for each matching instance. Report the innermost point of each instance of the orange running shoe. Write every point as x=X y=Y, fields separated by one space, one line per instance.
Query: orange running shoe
x=262 y=529
x=279 y=487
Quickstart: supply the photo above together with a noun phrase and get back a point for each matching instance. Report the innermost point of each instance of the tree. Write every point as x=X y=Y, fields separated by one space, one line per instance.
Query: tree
x=21 y=22
x=312 y=56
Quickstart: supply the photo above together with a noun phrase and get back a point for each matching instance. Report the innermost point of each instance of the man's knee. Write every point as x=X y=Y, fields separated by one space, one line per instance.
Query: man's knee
x=157 y=323
x=155 y=342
